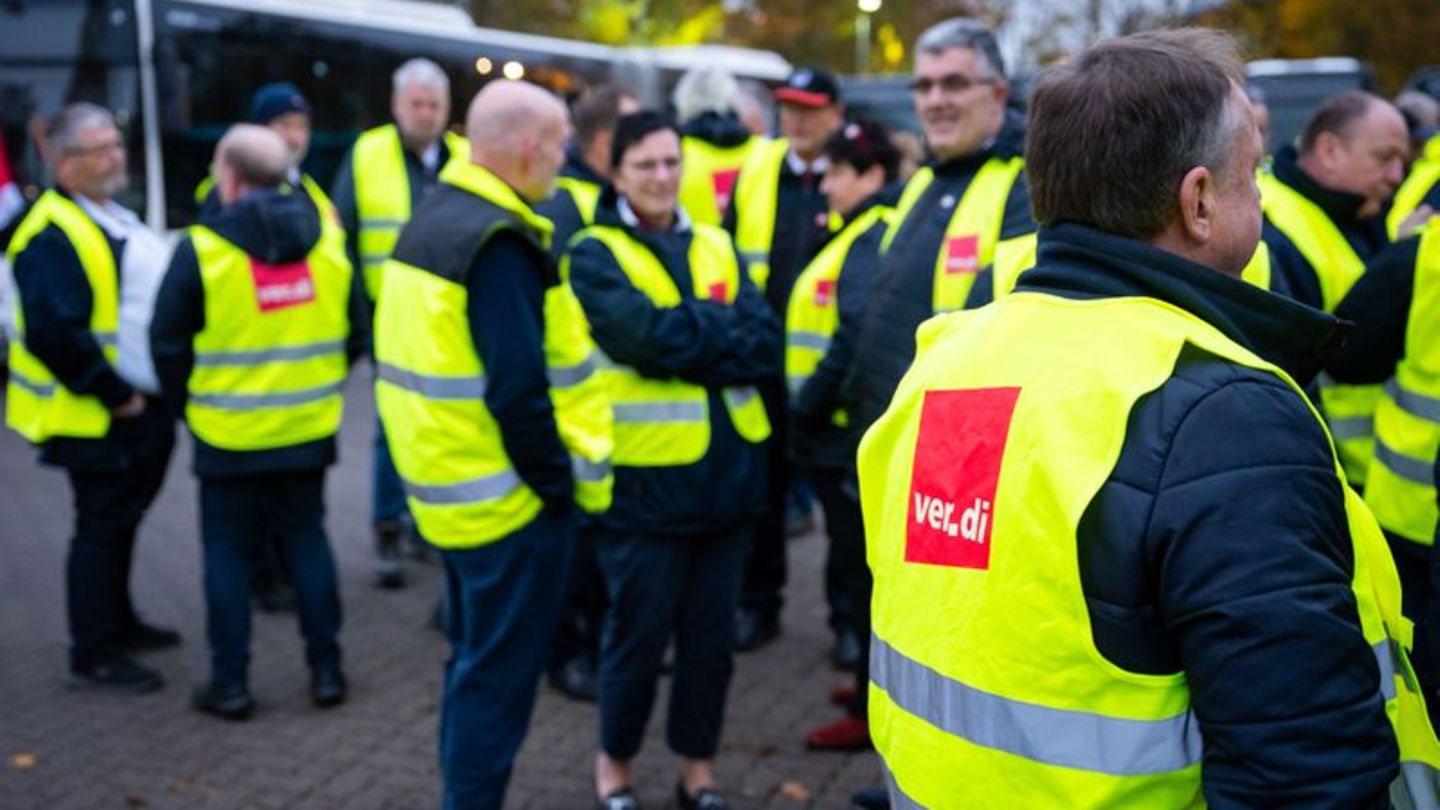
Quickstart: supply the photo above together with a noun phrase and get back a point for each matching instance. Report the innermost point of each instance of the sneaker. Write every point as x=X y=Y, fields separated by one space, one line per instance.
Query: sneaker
x=842 y=695
x=142 y=637
x=705 y=799
x=119 y=674
x=327 y=686
x=225 y=702
x=389 y=572
x=575 y=679
x=846 y=734
x=622 y=799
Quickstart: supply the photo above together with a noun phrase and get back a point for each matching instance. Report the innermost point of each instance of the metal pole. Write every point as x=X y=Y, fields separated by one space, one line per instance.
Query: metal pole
x=862 y=43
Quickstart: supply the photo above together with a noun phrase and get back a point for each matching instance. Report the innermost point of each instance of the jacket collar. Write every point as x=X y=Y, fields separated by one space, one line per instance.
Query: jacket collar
x=1079 y=261
x=1009 y=142
x=576 y=167
x=1341 y=206
x=484 y=184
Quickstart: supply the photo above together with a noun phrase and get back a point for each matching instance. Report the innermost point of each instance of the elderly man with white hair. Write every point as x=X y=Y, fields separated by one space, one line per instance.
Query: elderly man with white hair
x=715 y=142
x=390 y=169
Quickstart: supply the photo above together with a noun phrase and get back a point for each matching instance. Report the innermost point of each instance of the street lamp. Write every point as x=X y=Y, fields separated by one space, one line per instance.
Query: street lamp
x=862 y=33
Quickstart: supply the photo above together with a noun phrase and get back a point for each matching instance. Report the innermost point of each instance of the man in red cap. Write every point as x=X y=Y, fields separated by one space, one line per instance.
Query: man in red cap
x=780 y=221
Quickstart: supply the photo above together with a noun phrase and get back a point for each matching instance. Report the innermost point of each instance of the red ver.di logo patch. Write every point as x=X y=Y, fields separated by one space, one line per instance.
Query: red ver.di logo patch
x=962 y=255
x=956 y=470
x=723 y=183
x=278 y=286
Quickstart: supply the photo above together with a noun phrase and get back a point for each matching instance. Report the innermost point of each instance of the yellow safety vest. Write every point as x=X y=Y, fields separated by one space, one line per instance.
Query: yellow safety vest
x=270 y=362
x=1424 y=175
x=38 y=406
x=1401 y=486
x=813 y=313
x=972 y=238
x=460 y=484
x=585 y=195
x=757 y=201
x=666 y=423
x=710 y=177
x=1349 y=409
x=312 y=188
x=987 y=689
x=382 y=194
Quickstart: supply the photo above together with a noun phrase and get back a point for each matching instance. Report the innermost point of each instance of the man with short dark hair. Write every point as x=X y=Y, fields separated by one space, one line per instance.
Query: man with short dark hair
x=67 y=395
x=1116 y=564
x=256 y=325
x=1324 y=204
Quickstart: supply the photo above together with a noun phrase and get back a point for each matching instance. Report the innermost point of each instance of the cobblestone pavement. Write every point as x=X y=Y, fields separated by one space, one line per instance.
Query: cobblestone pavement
x=63 y=750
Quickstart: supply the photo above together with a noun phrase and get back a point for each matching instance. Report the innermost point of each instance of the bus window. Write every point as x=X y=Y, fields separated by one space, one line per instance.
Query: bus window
x=53 y=52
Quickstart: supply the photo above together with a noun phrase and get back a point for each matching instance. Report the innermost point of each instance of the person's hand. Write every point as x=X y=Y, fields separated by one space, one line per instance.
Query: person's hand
x=130 y=408
x=1412 y=223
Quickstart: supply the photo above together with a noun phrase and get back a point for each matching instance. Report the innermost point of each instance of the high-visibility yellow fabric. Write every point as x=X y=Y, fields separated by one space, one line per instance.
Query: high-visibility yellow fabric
x=666 y=423
x=38 y=406
x=1424 y=175
x=382 y=194
x=267 y=377
x=1400 y=488
x=813 y=314
x=709 y=179
x=1349 y=409
x=757 y=196
x=585 y=195
x=972 y=237
x=461 y=486
x=987 y=689
x=312 y=188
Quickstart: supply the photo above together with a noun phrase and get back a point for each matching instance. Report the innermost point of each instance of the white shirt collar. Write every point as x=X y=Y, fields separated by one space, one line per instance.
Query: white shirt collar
x=112 y=217
x=631 y=219
x=799 y=165
x=431 y=156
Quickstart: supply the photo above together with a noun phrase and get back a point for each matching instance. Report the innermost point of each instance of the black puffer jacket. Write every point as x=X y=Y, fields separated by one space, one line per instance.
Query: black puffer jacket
x=1219 y=545
x=902 y=296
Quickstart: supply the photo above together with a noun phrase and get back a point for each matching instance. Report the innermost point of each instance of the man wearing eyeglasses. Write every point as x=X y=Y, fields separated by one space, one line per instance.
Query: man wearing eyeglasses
x=74 y=255
x=966 y=210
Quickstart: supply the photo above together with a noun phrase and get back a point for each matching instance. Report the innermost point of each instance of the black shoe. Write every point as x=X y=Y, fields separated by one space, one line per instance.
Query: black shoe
x=278 y=597
x=622 y=799
x=389 y=572
x=754 y=629
x=226 y=702
x=119 y=674
x=327 y=687
x=575 y=679
x=142 y=637
x=871 y=799
x=706 y=799
x=846 y=652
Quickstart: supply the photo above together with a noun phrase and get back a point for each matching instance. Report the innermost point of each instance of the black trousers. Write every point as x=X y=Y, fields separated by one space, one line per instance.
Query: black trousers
x=577 y=633
x=234 y=513
x=847 y=575
x=663 y=587
x=766 y=567
x=109 y=505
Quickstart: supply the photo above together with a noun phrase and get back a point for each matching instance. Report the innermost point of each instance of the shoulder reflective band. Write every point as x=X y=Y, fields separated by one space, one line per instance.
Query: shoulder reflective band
x=740 y=395
x=110 y=339
x=1351 y=427
x=255 y=402
x=472 y=387
x=810 y=340
x=381 y=222
x=1385 y=655
x=38 y=389
x=1063 y=737
x=566 y=376
x=1425 y=407
x=255 y=358
x=589 y=471
x=487 y=488
x=1411 y=469
x=659 y=412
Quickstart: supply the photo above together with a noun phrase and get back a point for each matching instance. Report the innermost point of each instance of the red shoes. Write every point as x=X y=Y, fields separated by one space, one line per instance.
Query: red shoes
x=846 y=734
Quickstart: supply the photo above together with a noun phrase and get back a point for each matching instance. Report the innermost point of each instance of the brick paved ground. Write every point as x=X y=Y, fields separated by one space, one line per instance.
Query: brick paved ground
x=61 y=750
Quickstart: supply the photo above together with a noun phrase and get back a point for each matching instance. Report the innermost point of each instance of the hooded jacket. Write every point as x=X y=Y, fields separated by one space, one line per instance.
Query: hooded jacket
x=275 y=228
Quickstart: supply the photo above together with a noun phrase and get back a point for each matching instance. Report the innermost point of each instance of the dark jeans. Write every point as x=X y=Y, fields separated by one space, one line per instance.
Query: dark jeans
x=766 y=568
x=1413 y=563
x=234 y=514
x=108 y=508
x=685 y=587
x=388 y=498
x=846 y=574
x=501 y=602
x=577 y=633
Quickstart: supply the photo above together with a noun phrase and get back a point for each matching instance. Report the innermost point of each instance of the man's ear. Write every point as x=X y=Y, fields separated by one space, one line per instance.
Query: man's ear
x=1197 y=204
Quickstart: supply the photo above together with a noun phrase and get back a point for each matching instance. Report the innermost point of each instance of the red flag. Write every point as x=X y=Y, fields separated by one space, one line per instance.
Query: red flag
x=11 y=201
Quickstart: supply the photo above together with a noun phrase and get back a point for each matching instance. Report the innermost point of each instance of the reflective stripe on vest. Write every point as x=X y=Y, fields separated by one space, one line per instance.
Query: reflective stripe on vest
x=709 y=182
x=972 y=234
x=813 y=312
x=269 y=376
x=1400 y=487
x=661 y=423
x=382 y=194
x=1337 y=267
x=1007 y=702
x=1423 y=177
x=430 y=389
x=757 y=194
x=38 y=406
